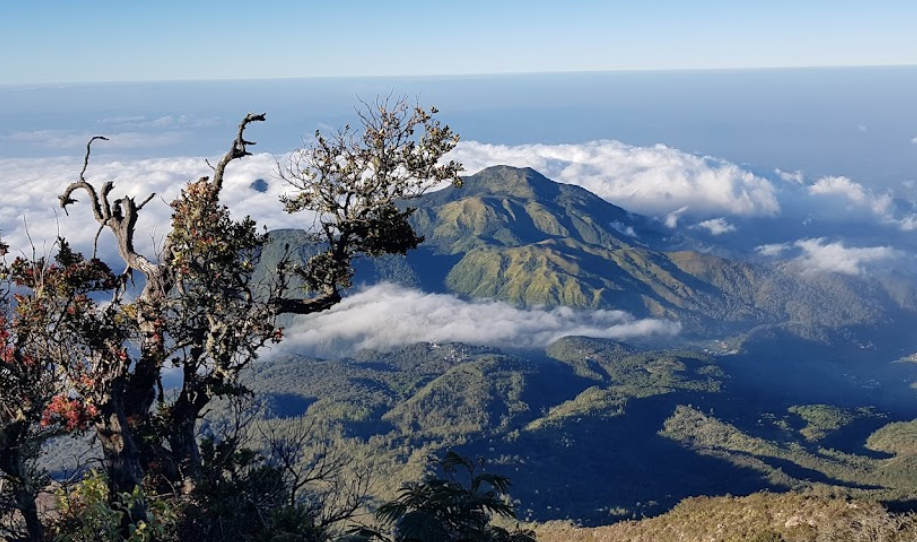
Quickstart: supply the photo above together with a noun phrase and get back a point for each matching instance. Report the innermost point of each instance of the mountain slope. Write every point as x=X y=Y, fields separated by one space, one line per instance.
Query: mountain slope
x=514 y=235
x=593 y=429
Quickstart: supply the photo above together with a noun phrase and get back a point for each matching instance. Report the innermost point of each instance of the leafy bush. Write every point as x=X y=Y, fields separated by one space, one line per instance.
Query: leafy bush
x=88 y=514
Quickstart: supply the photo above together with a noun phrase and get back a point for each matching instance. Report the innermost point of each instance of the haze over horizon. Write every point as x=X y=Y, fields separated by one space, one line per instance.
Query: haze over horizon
x=107 y=41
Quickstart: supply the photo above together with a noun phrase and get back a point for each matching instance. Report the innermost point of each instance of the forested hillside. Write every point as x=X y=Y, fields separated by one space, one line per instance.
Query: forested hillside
x=595 y=430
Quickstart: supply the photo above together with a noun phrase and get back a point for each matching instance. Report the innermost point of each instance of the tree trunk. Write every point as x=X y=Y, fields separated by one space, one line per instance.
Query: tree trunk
x=25 y=502
x=13 y=441
x=122 y=455
x=183 y=437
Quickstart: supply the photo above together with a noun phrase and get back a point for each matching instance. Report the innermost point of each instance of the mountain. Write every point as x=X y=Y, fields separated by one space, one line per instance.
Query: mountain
x=514 y=235
x=511 y=234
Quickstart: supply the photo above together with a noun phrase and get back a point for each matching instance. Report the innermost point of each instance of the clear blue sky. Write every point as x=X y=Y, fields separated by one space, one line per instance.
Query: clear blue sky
x=47 y=41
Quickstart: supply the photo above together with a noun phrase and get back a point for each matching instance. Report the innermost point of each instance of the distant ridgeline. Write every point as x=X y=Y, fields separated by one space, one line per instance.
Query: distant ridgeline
x=511 y=234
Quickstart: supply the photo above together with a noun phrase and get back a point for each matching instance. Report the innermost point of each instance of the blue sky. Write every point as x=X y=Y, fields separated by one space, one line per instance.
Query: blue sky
x=50 y=41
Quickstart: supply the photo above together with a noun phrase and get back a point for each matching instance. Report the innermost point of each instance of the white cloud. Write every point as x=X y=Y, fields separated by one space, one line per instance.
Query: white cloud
x=716 y=226
x=675 y=186
x=857 y=198
x=841 y=186
x=796 y=177
x=30 y=209
x=914 y=140
x=818 y=255
x=388 y=316
x=122 y=120
x=774 y=249
x=671 y=219
x=686 y=187
x=908 y=223
x=649 y=180
x=626 y=230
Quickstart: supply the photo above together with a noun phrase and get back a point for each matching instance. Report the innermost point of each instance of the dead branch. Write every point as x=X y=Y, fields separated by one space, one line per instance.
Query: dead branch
x=239 y=148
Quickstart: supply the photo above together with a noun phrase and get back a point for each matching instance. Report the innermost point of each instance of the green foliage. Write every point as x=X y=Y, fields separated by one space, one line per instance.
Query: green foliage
x=444 y=508
x=823 y=420
x=613 y=431
x=87 y=513
x=70 y=361
x=898 y=438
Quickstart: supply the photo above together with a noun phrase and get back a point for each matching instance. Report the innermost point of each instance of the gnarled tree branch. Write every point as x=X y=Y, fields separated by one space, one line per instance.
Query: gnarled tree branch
x=239 y=148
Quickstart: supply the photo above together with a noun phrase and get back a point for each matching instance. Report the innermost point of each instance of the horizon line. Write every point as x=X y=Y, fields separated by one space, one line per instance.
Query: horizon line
x=446 y=76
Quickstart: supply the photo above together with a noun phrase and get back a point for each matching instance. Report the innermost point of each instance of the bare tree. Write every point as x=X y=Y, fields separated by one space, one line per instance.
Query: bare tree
x=319 y=475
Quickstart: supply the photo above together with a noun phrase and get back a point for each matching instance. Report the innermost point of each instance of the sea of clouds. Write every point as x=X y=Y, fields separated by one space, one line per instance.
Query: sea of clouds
x=695 y=194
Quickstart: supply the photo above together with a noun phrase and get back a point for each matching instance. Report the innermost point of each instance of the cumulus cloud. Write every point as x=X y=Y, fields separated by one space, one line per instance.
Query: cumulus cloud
x=841 y=186
x=857 y=198
x=773 y=249
x=819 y=255
x=626 y=230
x=716 y=226
x=914 y=140
x=650 y=180
x=29 y=207
x=387 y=316
x=675 y=186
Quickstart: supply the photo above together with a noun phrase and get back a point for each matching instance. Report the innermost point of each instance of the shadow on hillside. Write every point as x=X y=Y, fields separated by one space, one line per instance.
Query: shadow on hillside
x=805 y=474
x=615 y=468
x=286 y=405
x=431 y=268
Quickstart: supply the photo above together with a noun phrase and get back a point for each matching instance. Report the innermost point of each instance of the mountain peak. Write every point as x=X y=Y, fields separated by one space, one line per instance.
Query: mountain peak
x=510 y=181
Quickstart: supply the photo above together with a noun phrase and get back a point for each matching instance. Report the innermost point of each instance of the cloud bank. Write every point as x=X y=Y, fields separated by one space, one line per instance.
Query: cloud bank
x=671 y=184
x=818 y=255
x=681 y=189
x=387 y=316
x=649 y=180
x=30 y=212
x=843 y=195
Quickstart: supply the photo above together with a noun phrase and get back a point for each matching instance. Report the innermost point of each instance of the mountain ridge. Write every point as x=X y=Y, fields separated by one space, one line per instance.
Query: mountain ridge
x=513 y=235
x=522 y=238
